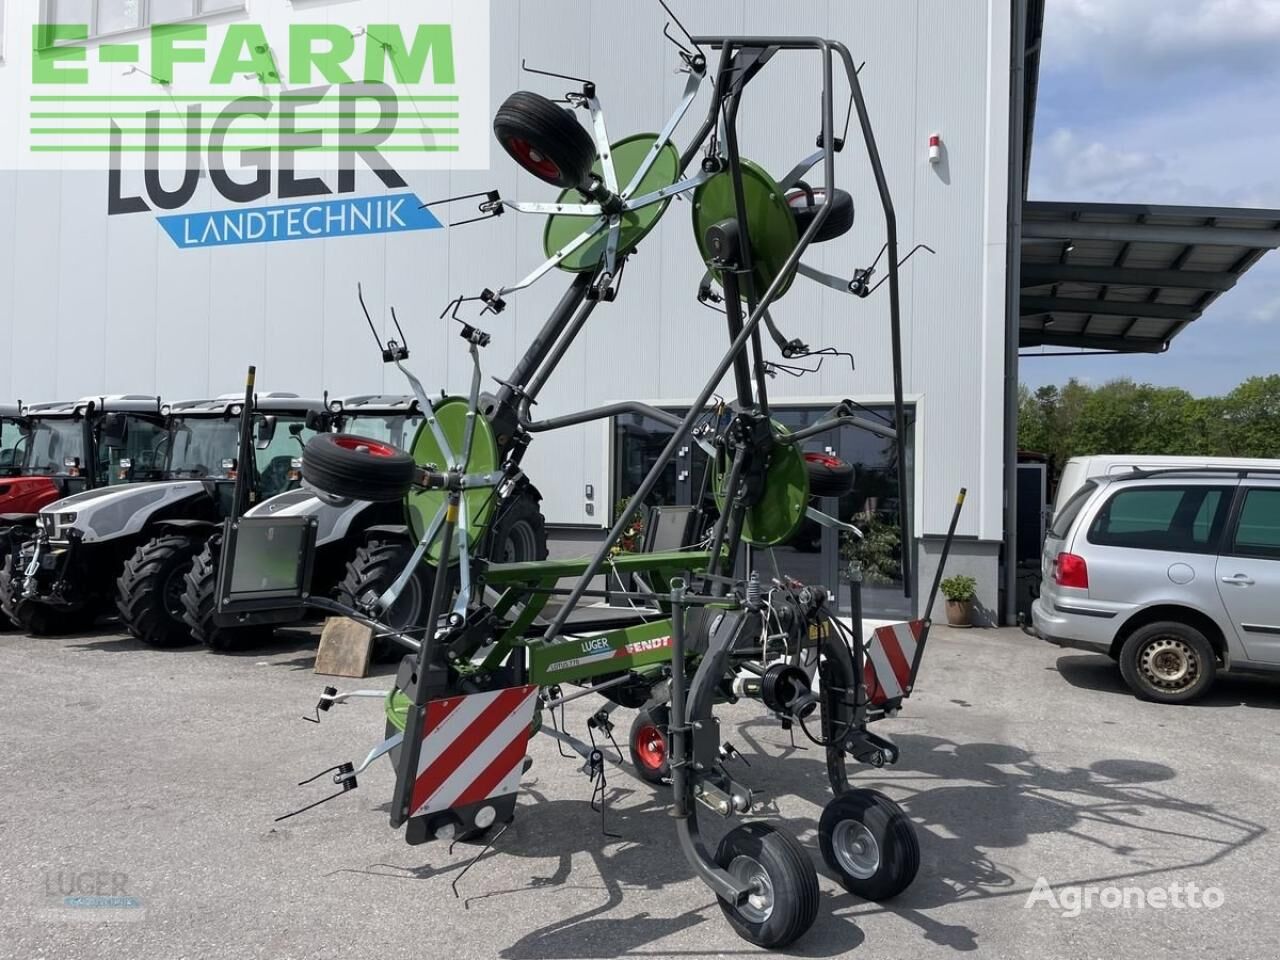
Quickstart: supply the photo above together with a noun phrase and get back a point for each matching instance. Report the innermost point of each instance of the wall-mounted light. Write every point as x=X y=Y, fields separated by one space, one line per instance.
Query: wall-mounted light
x=935 y=148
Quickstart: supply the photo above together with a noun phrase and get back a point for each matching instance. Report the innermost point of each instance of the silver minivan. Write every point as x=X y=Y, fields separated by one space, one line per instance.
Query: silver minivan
x=1175 y=574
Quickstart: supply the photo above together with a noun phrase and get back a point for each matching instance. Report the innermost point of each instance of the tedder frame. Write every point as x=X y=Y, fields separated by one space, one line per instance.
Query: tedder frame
x=487 y=663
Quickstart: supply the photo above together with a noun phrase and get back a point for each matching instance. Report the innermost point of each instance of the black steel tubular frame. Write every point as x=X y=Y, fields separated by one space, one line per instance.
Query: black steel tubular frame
x=728 y=45
x=547 y=339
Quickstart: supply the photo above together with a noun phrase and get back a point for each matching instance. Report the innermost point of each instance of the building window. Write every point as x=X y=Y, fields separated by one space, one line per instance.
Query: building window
x=105 y=17
x=814 y=554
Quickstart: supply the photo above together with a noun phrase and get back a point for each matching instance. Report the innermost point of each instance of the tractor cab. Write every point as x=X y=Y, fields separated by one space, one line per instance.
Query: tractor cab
x=12 y=430
x=389 y=419
x=203 y=441
x=80 y=445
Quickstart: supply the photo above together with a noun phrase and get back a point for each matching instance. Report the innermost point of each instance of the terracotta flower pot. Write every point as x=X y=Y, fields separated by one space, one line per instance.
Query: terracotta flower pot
x=960 y=613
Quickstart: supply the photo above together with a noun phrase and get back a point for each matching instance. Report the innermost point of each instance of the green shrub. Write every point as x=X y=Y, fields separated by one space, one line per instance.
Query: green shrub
x=960 y=588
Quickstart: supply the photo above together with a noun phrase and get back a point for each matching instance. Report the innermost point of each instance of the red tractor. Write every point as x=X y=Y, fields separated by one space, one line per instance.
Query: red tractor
x=22 y=494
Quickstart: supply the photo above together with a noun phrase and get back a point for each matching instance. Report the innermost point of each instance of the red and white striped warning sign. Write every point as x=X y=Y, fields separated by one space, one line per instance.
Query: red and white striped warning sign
x=890 y=654
x=472 y=748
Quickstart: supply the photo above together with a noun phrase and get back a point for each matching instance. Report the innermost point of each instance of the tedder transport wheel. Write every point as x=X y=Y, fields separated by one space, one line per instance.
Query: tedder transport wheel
x=1168 y=662
x=784 y=896
x=649 y=747
x=805 y=202
x=870 y=843
x=828 y=476
x=545 y=139
x=149 y=591
x=375 y=567
x=358 y=468
x=198 y=602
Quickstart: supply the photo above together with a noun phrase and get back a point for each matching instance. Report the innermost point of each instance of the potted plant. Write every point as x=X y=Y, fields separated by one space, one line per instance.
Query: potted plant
x=960 y=592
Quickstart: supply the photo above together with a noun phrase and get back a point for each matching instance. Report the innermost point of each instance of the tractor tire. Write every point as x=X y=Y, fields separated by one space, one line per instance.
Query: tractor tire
x=150 y=589
x=8 y=593
x=784 y=900
x=374 y=568
x=829 y=476
x=806 y=201
x=650 y=744
x=357 y=468
x=870 y=843
x=545 y=139
x=519 y=531
x=199 y=600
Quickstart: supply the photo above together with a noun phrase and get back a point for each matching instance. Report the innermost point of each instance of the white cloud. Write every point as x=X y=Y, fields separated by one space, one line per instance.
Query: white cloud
x=1067 y=165
x=1168 y=35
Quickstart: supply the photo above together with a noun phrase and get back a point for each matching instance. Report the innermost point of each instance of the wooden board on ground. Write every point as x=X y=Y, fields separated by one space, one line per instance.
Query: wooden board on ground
x=345 y=648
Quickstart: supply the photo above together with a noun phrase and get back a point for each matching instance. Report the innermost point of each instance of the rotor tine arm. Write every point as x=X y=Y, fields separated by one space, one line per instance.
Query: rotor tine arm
x=800 y=169
x=428 y=411
x=392 y=593
x=560 y=255
x=691 y=88
x=603 y=146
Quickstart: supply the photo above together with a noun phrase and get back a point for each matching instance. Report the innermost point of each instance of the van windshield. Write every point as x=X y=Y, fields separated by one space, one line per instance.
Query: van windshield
x=1063 y=519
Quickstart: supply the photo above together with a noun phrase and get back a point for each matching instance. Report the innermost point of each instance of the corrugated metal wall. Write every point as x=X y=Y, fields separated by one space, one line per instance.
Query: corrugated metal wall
x=94 y=303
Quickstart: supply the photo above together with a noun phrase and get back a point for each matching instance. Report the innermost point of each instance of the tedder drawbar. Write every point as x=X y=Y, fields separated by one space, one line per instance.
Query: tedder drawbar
x=494 y=655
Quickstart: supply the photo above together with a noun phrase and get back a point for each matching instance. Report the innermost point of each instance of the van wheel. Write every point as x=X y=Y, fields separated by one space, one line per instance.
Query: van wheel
x=1168 y=662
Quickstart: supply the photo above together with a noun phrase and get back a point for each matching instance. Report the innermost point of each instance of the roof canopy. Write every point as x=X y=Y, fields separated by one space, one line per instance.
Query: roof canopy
x=1129 y=277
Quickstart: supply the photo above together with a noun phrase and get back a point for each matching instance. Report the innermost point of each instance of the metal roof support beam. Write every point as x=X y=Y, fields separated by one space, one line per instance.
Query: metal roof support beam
x=1151 y=233
x=1034 y=306
x=1034 y=274
x=1038 y=338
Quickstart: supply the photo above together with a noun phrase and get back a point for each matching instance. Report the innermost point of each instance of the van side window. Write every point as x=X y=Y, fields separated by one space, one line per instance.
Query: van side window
x=1258 y=529
x=1179 y=519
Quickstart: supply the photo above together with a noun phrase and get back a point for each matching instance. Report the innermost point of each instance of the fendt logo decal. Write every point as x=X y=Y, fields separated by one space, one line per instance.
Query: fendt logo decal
x=266 y=120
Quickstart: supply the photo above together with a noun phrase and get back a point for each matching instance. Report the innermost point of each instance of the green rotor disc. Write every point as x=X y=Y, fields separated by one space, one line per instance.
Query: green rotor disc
x=422 y=505
x=628 y=155
x=777 y=516
x=770 y=222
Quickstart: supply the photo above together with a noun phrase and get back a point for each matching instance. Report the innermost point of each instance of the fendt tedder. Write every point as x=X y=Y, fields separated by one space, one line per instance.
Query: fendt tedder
x=496 y=659
x=68 y=448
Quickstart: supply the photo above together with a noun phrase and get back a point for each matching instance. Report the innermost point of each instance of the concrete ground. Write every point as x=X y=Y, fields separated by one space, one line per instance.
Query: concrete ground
x=156 y=776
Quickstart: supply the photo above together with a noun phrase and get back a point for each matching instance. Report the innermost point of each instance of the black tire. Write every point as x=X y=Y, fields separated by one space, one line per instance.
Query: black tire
x=649 y=744
x=357 y=468
x=806 y=201
x=1168 y=662
x=786 y=903
x=149 y=591
x=375 y=567
x=545 y=139
x=870 y=843
x=8 y=591
x=829 y=476
x=519 y=531
x=198 y=601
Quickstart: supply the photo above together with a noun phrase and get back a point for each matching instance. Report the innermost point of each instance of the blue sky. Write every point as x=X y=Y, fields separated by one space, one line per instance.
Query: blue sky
x=1167 y=101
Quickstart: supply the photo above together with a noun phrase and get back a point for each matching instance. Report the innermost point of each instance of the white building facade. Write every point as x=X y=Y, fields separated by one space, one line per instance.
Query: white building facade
x=97 y=301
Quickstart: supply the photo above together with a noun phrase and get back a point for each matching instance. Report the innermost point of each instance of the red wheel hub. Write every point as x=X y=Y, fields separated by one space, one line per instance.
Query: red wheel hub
x=651 y=746
x=364 y=445
x=826 y=460
x=533 y=161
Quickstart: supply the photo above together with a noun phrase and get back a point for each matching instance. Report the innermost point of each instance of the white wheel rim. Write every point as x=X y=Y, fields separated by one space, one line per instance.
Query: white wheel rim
x=856 y=849
x=758 y=907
